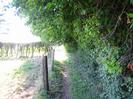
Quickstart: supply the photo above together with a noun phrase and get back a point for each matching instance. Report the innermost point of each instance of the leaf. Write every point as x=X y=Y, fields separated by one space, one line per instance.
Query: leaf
x=131 y=1
x=49 y=6
x=130 y=15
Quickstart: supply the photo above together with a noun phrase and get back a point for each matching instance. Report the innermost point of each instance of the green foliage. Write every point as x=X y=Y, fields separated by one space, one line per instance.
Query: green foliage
x=24 y=68
x=107 y=57
x=60 y=21
x=41 y=94
x=96 y=31
x=56 y=81
x=131 y=1
x=90 y=79
x=130 y=15
x=79 y=87
x=70 y=47
x=89 y=35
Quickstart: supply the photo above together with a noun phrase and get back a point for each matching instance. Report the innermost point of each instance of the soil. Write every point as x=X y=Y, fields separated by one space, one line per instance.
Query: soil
x=18 y=87
x=65 y=92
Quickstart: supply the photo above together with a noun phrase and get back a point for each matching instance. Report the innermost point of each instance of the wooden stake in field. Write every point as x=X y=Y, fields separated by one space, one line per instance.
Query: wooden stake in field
x=45 y=73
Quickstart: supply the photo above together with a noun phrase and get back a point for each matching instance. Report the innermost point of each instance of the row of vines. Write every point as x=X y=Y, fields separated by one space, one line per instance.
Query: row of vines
x=12 y=50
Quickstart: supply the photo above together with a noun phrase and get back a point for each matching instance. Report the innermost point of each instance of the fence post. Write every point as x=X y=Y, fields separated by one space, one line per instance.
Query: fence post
x=53 y=52
x=45 y=73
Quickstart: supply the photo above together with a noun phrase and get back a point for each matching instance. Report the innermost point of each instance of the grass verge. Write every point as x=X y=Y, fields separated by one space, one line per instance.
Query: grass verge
x=56 y=81
x=78 y=86
x=55 y=84
x=23 y=69
x=31 y=74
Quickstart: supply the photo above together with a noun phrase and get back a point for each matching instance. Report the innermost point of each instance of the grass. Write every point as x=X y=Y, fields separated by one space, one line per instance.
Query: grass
x=31 y=73
x=29 y=70
x=41 y=94
x=56 y=81
x=78 y=86
x=24 y=68
x=55 y=84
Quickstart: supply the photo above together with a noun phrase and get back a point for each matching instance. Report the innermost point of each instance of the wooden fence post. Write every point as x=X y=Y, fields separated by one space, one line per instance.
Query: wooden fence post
x=53 y=52
x=45 y=73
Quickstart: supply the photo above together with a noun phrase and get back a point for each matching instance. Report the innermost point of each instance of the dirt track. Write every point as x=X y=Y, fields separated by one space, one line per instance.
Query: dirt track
x=65 y=93
x=16 y=88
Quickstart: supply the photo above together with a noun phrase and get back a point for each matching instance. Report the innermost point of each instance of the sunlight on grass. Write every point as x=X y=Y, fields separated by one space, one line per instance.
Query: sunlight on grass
x=41 y=94
x=24 y=68
x=9 y=65
x=29 y=77
x=6 y=68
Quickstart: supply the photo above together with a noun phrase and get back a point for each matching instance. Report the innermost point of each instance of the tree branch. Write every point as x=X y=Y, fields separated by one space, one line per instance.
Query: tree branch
x=116 y=25
x=125 y=59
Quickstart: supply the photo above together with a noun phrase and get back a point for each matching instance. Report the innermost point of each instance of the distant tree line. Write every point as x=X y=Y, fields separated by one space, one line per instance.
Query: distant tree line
x=21 y=50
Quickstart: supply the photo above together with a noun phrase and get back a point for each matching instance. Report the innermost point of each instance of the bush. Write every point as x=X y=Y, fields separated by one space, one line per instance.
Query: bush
x=91 y=80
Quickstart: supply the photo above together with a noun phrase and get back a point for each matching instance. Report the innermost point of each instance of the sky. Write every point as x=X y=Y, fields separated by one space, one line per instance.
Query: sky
x=12 y=27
